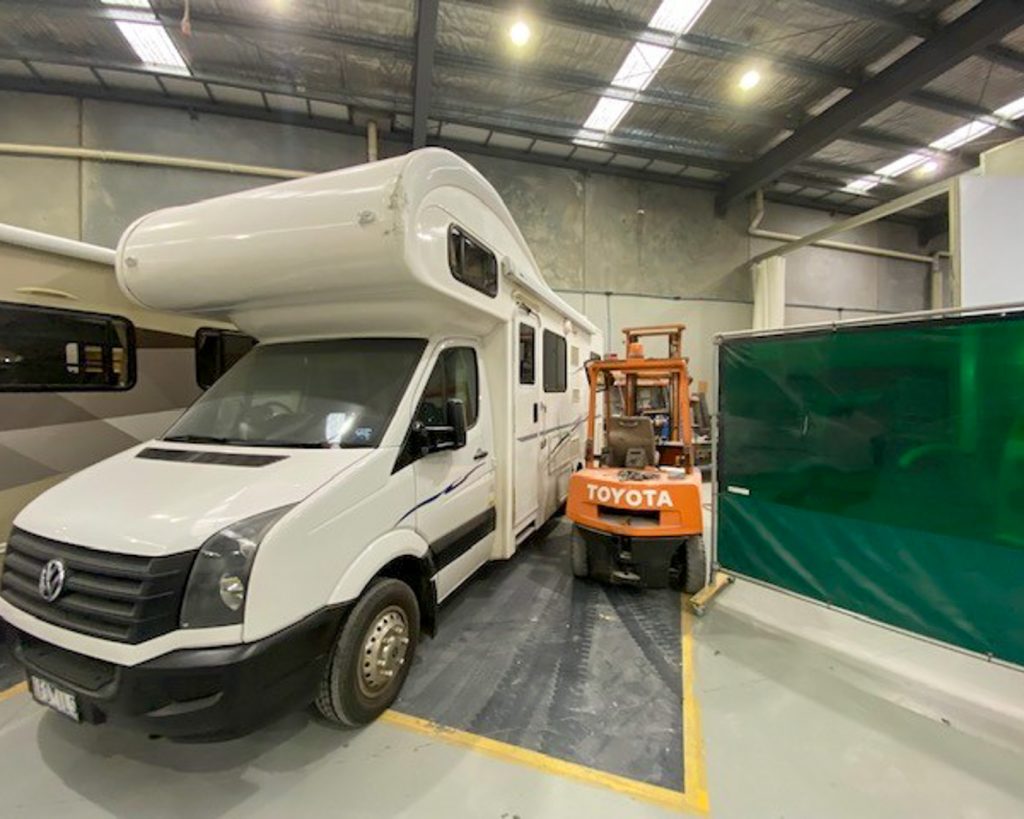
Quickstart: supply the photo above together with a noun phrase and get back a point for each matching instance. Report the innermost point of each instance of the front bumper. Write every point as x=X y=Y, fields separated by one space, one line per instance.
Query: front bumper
x=647 y=562
x=201 y=694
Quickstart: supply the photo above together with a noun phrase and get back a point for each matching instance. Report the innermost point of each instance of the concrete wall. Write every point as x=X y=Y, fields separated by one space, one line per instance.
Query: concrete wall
x=657 y=249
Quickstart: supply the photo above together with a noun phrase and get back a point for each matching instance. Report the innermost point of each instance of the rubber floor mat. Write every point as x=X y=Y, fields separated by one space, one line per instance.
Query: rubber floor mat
x=528 y=655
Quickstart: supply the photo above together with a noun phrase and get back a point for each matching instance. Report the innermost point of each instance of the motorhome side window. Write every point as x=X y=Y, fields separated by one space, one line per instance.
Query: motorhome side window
x=50 y=349
x=471 y=263
x=554 y=362
x=454 y=376
x=527 y=354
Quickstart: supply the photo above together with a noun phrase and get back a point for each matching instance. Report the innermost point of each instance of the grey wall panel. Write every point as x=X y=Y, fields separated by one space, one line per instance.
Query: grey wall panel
x=40 y=194
x=121 y=127
x=34 y=119
x=115 y=195
x=547 y=204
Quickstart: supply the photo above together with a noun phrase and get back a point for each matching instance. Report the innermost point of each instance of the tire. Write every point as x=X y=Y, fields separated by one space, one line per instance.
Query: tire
x=352 y=691
x=578 y=557
x=695 y=564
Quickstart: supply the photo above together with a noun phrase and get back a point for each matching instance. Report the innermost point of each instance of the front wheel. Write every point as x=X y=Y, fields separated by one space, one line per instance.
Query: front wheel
x=371 y=656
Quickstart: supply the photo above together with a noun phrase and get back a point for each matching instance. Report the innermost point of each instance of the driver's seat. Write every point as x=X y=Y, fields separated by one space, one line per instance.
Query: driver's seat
x=631 y=442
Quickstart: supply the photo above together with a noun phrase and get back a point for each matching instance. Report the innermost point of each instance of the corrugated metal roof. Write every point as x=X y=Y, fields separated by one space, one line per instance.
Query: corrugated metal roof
x=360 y=53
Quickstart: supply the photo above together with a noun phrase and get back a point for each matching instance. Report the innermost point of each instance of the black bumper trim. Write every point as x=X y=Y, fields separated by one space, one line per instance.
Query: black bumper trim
x=202 y=694
x=650 y=559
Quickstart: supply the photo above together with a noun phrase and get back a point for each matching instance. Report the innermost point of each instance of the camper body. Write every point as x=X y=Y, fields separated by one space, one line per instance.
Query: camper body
x=413 y=410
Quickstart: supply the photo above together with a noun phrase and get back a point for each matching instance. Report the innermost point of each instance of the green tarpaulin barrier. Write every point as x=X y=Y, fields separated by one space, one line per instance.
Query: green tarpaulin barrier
x=880 y=468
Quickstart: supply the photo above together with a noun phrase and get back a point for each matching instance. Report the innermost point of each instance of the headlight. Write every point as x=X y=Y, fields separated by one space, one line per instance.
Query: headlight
x=215 y=594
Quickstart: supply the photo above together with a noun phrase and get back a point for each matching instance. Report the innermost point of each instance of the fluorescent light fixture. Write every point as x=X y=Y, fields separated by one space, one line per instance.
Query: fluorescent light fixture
x=862 y=185
x=677 y=16
x=902 y=165
x=640 y=66
x=607 y=114
x=587 y=142
x=129 y=4
x=519 y=33
x=1011 y=110
x=153 y=45
x=750 y=79
x=962 y=135
x=643 y=62
x=930 y=167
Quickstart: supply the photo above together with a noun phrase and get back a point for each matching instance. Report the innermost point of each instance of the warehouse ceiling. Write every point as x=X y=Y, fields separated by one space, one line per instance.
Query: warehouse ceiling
x=836 y=104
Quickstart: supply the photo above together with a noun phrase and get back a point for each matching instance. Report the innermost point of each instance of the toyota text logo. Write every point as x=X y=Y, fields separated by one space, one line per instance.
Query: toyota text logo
x=51 y=580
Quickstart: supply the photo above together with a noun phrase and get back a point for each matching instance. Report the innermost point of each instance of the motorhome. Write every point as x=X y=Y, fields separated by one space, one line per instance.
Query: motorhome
x=84 y=371
x=413 y=410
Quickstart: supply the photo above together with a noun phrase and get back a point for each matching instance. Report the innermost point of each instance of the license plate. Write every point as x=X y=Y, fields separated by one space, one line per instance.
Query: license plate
x=61 y=701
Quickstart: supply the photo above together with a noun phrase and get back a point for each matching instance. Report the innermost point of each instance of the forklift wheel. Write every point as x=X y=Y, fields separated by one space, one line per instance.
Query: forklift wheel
x=580 y=564
x=695 y=566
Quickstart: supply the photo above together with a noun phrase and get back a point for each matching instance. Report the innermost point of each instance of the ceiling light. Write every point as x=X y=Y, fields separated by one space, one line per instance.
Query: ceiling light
x=128 y=4
x=606 y=114
x=750 y=79
x=1011 y=110
x=900 y=166
x=519 y=33
x=929 y=168
x=677 y=16
x=153 y=46
x=862 y=185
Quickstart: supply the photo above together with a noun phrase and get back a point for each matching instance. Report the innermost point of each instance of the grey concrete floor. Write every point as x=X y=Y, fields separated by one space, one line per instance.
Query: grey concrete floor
x=784 y=732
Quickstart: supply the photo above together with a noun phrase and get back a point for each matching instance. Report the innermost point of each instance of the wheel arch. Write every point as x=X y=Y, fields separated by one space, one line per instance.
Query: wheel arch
x=400 y=554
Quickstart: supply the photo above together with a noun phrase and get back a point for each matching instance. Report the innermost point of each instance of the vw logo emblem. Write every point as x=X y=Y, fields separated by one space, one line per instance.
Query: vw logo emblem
x=51 y=580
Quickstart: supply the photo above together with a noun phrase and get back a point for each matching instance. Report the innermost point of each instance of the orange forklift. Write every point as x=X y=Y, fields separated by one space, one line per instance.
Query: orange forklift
x=636 y=504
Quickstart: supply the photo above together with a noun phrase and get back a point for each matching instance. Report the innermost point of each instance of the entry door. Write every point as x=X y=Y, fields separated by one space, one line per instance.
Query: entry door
x=528 y=420
x=455 y=488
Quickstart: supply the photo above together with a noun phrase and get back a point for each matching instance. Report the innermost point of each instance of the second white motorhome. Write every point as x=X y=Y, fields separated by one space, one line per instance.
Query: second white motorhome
x=414 y=409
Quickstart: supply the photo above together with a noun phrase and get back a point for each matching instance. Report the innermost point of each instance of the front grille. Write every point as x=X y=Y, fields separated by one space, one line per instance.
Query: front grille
x=126 y=598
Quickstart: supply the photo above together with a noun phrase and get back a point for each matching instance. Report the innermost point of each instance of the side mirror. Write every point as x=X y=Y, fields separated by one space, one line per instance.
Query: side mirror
x=456 y=411
x=440 y=438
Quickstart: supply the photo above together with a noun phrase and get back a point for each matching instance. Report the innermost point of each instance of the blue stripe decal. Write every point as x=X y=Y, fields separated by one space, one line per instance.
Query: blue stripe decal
x=446 y=491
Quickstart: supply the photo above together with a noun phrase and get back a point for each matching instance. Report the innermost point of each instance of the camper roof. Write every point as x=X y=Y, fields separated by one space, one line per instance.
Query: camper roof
x=360 y=250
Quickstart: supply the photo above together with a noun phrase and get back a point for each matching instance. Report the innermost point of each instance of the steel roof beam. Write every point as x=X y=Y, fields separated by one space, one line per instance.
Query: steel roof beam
x=621 y=26
x=918 y=25
x=423 y=69
x=982 y=25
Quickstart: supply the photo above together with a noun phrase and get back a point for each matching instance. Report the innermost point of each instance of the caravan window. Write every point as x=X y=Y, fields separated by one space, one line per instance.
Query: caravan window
x=471 y=263
x=527 y=354
x=50 y=349
x=555 y=379
x=454 y=376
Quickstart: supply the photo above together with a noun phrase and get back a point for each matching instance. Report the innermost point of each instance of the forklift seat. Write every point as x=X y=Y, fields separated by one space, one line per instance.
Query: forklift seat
x=631 y=442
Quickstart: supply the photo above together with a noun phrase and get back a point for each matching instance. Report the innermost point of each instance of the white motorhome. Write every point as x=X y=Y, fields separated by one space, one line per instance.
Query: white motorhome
x=414 y=409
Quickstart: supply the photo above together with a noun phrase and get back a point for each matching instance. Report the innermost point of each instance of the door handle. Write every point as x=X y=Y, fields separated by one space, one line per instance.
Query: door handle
x=535 y=406
x=480 y=454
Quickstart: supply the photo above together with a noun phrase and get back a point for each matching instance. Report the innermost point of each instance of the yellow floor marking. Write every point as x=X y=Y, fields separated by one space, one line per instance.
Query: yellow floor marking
x=666 y=797
x=694 y=797
x=696 y=783
x=20 y=688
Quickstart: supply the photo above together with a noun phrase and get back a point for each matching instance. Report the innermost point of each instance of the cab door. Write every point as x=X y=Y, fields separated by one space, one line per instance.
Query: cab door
x=528 y=423
x=455 y=510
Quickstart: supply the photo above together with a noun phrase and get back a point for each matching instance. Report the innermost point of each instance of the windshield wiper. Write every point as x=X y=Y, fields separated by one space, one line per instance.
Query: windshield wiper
x=290 y=444
x=197 y=439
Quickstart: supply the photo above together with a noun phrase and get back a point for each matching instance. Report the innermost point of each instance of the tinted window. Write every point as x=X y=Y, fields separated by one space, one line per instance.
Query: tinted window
x=554 y=362
x=45 y=348
x=454 y=376
x=471 y=263
x=527 y=354
x=331 y=393
x=217 y=351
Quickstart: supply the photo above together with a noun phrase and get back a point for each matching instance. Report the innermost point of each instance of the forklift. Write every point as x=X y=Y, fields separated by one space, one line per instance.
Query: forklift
x=636 y=504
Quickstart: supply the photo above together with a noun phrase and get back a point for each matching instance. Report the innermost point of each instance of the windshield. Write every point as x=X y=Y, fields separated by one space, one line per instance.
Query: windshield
x=335 y=393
